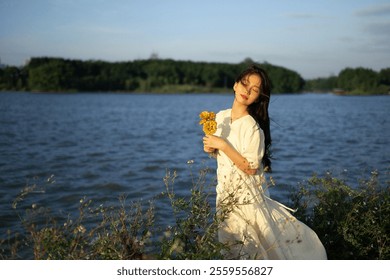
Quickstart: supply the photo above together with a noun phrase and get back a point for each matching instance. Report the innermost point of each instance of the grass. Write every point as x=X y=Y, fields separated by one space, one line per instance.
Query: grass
x=352 y=223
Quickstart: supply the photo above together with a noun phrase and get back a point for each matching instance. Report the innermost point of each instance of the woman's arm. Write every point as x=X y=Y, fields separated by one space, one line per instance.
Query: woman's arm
x=214 y=142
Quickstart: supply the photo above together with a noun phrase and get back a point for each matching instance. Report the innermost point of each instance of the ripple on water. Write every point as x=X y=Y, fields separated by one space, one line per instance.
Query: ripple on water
x=90 y=175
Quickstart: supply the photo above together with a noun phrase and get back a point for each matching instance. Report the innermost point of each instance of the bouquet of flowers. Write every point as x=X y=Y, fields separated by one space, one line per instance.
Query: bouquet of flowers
x=207 y=119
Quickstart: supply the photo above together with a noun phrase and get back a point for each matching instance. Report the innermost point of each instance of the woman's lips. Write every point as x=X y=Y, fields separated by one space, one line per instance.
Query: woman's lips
x=244 y=97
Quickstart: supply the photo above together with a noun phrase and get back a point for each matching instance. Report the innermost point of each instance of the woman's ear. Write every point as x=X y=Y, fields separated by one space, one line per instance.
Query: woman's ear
x=235 y=86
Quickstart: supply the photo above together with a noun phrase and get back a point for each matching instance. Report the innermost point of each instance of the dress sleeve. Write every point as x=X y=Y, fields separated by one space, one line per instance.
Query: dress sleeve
x=253 y=145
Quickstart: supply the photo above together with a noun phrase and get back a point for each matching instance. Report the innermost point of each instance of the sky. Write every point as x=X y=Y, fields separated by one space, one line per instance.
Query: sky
x=316 y=38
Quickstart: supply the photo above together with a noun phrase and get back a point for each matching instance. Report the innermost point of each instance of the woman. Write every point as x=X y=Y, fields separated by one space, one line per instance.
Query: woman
x=253 y=225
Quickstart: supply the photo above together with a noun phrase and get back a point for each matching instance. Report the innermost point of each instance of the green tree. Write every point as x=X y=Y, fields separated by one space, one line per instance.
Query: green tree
x=154 y=74
x=13 y=78
x=358 y=80
x=321 y=84
x=55 y=75
x=284 y=80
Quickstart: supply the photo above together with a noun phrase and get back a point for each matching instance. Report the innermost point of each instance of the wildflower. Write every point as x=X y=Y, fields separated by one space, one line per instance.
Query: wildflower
x=177 y=246
x=207 y=119
x=168 y=232
x=81 y=229
x=210 y=127
x=206 y=116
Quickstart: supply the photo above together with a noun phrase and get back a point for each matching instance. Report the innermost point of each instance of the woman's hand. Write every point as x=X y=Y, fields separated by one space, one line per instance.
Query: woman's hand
x=208 y=150
x=212 y=143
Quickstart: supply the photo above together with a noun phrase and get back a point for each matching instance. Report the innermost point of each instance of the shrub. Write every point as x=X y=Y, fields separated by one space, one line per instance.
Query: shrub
x=353 y=223
x=114 y=233
x=194 y=235
x=122 y=232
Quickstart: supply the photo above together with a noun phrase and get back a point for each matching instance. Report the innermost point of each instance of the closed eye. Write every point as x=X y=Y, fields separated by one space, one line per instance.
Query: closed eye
x=244 y=82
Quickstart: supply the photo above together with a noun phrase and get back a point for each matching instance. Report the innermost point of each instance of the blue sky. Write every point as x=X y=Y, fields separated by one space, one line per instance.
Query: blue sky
x=316 y=38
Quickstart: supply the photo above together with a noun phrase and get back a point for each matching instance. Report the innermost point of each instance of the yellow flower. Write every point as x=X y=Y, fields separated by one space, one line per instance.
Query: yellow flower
x=212 y=116
x=207 y=119
x=202 y=121
x=210 y=127
x=204 y=115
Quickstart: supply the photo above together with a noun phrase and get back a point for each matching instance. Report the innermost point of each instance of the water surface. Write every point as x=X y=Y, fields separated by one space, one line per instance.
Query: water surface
x=103 y=145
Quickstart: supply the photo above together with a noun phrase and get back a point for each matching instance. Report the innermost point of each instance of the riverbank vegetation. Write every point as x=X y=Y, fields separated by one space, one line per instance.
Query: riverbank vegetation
x=353 y=81
x=47 y=74
x=352 y=222
x=151 y=75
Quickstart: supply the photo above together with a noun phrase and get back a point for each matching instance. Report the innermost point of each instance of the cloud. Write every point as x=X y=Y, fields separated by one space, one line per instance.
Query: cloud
x=301 y=16
x=375 y=40
x=380 y=34
x=373 y=11
x=307 y=16
x=378 y=28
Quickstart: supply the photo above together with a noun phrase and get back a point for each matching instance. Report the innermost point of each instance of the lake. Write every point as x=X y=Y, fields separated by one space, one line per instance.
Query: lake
x=102 y=145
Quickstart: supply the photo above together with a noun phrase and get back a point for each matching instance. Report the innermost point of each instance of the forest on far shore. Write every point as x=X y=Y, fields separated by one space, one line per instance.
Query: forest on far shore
x=47 y=74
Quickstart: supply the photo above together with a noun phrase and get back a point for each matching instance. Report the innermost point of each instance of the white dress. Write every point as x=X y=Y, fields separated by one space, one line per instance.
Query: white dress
x=253 y=225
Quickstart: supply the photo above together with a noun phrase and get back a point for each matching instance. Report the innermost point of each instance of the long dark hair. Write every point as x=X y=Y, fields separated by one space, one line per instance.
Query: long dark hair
x=259 y=110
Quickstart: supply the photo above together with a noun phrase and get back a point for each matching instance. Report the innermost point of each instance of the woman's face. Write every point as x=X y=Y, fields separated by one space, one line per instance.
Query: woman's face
x=248 y=89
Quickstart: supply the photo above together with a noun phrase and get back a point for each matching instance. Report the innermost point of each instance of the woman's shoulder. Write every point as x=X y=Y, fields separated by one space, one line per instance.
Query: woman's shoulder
x=250 y=121
x=249 y=124
x=223 y=114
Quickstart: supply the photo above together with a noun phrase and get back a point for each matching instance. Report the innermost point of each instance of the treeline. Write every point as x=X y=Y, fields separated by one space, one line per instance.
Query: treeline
x=167 y=75
x=353 y=81
x=151 y=75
